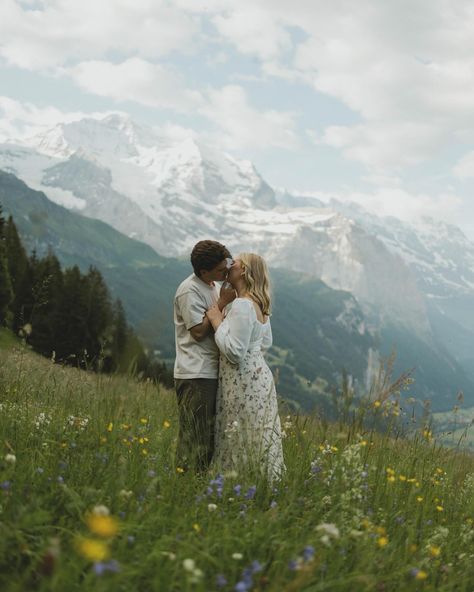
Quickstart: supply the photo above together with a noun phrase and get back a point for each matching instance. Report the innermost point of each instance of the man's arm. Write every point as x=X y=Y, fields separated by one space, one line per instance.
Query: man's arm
x=199 y=332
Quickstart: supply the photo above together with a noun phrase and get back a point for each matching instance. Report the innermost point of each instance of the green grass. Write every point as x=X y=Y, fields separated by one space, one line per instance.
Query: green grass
x=377 y=509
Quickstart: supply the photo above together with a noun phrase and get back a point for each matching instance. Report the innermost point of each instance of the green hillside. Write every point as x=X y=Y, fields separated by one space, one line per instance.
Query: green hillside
x=90 y=499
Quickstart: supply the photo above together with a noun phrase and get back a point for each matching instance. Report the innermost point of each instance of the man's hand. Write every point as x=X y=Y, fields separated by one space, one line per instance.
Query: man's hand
x=215 y=316
x=226 y=295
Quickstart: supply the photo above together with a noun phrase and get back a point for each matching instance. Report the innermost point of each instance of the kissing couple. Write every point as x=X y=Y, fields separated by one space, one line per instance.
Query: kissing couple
x=228 y=410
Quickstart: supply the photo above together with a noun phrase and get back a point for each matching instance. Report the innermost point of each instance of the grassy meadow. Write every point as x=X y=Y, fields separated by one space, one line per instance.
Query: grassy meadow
x=90 y=498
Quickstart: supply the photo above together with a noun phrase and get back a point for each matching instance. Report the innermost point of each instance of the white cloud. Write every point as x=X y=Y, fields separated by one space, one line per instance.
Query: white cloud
x=22 y=120
x=395 y=201
x=253 y=31
x=68 y=30
x=465 y=167
x=135 y=80
x=241 y=126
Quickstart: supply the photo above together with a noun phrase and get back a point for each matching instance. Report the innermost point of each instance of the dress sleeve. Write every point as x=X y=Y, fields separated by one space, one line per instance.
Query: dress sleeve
x=267 y=339
x=233 y=334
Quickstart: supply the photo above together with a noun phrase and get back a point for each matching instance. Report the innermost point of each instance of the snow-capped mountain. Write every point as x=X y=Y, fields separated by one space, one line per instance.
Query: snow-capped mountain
x=170 y=193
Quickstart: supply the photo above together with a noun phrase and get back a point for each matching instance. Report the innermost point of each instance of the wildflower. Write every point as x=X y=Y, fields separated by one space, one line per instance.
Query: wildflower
x=308 y=553
x=10 y=459
x=402 y=478
x=329 y=531
x=101 y=510
x=110 y=427
x=419 y=498
x=434 y=551
x=189 y=565
x=125 y=494
x=101 y=567
x=92 y=550
x=102 y=525
x=377 y=404
x=212 y=507
x=419 y=574
x=295 y=564
x=237 y=489
x=196 y=527
x=221 y=581
x=382 y=542
x=166 y=424
x=237 y=556
x=5 y=485
x=143 y=420
x=251 y=492
x=179 y=470
x=273 y=504
x=440 y=508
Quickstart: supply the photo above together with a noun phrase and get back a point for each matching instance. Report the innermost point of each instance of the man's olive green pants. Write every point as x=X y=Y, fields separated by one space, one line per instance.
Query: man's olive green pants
x=197 y=411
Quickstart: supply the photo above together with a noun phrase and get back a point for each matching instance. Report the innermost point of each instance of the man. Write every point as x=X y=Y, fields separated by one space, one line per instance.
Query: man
x=196 y=366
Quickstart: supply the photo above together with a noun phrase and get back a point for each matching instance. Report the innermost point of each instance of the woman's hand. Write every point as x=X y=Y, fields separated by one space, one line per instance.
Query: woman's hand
x=215 y=316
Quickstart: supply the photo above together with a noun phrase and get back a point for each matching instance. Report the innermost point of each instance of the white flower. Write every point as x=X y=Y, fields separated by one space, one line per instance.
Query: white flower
x=189 y=565
x=328 y=529
x=212 y=507
x=10 y=458
x=125 y=494
x=171 y=556
x=237 y=556
x=100 y=510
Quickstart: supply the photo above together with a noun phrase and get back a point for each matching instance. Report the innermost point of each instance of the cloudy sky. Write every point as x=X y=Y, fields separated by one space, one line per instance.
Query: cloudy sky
x=369 y=100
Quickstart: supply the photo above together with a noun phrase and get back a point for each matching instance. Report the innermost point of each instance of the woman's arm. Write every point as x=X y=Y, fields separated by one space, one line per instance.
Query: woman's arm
x=233 y=333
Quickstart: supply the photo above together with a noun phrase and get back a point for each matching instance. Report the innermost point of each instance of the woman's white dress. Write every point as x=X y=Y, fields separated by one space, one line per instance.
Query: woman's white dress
x=248 y=429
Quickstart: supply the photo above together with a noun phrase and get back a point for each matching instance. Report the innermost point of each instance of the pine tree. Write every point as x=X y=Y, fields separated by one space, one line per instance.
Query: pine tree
x=98 y=317
x=47 y=290
x=6 y=292
x=18 y=267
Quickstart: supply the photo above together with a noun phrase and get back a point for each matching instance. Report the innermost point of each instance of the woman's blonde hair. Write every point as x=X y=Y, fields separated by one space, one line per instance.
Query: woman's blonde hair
x=257 y=280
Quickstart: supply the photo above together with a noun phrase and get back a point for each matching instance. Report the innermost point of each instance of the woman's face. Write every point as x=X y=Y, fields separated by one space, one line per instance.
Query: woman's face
x=235 y=272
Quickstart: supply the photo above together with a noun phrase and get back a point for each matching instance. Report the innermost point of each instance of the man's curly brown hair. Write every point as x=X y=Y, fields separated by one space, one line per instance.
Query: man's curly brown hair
x=207 y=254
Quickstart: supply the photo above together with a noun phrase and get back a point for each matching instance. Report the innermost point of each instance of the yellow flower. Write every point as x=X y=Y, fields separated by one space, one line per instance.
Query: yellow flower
x=92 y=550
x=196 y=527
x=440 y=471
x=110 y=427
x=143 y=420
x=390 y=471
x=413 y=548
x=419 y=498
x=334 y=448
x=363 y=442
x=435 y=551
x=102 y=525
x=166 y=424
x=382 y=542
x=103 y=439
x=179 y=470
x=421 y=575
x=402 y=478
x=391 y=479
x=440 y=508
x=144 y=451
x=377 y=404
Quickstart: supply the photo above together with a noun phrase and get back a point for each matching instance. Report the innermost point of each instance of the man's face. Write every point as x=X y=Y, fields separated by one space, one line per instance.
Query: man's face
x=218 y=273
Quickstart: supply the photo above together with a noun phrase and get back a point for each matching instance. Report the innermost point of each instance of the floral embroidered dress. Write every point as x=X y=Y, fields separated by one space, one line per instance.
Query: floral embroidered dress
x=248 y=429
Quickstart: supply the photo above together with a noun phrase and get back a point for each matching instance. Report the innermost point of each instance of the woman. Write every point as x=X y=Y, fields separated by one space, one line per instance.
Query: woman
x=248 y=430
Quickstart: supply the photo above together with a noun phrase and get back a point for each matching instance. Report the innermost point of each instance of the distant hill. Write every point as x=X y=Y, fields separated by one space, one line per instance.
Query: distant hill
x=318 y=331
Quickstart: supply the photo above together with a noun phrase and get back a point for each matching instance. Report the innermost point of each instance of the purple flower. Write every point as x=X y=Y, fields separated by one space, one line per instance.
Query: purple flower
x=241 y=587
x=5 y=485
x=237 y=489
x=308 y=553
x=101 y=567
x=293 y=565
x=414 y=571
x=221 y=581
x=256 y=566
x=251 y=492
